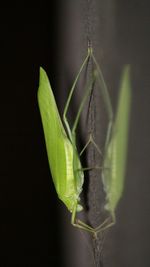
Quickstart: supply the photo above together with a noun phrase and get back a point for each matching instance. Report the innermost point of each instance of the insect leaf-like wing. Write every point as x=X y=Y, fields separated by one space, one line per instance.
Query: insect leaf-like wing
x=59 y=147
x=116 y=151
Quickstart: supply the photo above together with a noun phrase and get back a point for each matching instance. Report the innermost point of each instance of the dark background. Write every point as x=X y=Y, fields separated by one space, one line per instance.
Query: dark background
x=34 y=226
x=28 y=213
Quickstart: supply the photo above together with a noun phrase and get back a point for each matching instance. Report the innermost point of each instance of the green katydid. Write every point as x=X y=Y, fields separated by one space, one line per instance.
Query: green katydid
x=64 y=161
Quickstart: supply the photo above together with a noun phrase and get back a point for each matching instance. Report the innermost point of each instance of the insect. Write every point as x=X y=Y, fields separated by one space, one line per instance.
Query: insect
x=64 y=160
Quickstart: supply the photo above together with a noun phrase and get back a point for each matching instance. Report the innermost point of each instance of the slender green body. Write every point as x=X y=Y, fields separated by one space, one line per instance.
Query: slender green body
x=62 y=154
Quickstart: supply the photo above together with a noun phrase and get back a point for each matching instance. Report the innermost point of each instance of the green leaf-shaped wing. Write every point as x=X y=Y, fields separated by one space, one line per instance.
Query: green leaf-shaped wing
x=116 y=151
x=59 y=148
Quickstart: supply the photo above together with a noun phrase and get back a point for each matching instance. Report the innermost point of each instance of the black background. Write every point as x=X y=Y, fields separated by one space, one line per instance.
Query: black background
x=28 y=217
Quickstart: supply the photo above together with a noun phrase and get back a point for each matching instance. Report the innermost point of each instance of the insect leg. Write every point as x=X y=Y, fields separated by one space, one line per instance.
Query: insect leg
x=71 y=93
x=79 y=224
x=106 y=98
x=106 y=224
x=87 y=93
x=90 y=168
x=91 y=140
